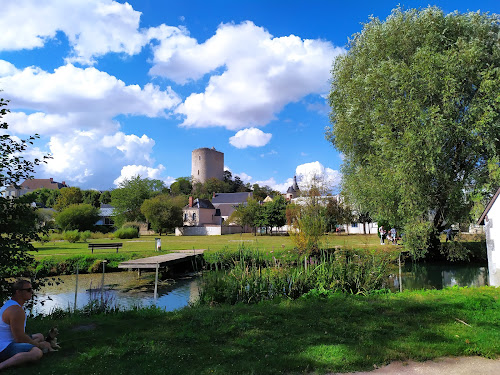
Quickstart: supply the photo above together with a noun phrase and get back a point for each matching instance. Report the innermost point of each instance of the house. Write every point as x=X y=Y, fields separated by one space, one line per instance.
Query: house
x=106 y=215
x=31 y=185
x=491 y=221
x=227 y=203
x=201 y=212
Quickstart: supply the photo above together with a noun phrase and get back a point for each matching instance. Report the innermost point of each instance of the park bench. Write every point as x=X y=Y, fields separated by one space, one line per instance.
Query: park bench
x=116 y=245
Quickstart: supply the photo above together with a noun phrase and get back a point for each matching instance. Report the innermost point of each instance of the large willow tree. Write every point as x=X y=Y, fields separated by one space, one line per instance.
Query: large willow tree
x=416 y=112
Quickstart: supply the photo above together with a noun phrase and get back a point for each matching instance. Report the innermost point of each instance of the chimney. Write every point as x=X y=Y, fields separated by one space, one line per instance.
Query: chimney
x=213 y=196
x=64 y=183
x=190 y=202
x=51 y=180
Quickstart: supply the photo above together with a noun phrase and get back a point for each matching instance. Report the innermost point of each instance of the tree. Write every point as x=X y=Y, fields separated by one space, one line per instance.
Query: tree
x=181 y=186
x=81 y=217
x=416 y=112
x=92 y=197
x=17 y=216
x=163 y=212
x=46 y=197
x=275 y=212
x=247 y=214
x=67 y=197
x=129 y=196
x=105 y=197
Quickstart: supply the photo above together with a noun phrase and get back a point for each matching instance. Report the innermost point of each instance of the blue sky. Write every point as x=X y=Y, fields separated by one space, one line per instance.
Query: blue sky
x=118 y=89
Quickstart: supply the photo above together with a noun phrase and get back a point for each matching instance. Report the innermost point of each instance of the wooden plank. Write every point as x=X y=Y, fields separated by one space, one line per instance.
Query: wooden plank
x=161 y=260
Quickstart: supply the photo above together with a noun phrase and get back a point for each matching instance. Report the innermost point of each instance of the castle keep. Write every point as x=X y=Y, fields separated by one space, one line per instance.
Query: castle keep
x=207 y=163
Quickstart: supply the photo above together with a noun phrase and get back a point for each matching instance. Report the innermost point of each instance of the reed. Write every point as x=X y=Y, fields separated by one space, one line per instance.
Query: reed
x=249 y=278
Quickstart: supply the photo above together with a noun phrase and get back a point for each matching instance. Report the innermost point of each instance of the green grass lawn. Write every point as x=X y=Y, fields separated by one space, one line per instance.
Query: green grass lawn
x=339 y=333
x=145 y=245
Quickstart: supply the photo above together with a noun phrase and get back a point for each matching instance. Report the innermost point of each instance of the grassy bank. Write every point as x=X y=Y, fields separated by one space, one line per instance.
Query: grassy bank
x=146 y=244
x=339 y=333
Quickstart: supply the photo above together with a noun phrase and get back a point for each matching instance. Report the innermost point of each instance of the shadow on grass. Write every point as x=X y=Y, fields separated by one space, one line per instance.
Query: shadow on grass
x=340 y=333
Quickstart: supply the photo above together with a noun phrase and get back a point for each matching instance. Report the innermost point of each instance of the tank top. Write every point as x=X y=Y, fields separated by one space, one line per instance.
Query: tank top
x=5 y=332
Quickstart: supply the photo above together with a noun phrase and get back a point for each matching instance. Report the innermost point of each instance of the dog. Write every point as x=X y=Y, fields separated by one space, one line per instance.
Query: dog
x=51 y=338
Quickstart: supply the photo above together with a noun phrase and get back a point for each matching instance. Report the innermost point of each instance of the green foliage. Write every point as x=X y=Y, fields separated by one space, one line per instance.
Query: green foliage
x=105 y=197
x=163 y=212
x=68 y=196
x=92 y=197
x=181 y=186
x=46 y=197
x=129 y=196
x=309 y=226
x=18 y=221
x=84 y=236
x=124 y=233
x=78 y=216
x=71 y=236
x=249 y=281
x=418 y=120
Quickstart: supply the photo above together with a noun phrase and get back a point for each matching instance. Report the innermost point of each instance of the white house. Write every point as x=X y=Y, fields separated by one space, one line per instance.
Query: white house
x=491 y=221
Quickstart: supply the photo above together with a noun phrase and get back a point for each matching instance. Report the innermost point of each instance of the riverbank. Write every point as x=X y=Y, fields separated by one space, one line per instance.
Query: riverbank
x=338 y=333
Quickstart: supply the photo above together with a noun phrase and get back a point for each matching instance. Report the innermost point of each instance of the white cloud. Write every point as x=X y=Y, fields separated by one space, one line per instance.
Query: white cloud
x=130 y=171
x=75 y=109
x=74 y=90
x=307 y=173
x=252 y=137
x=261 y=73
x=244 y=177
x=93 y=27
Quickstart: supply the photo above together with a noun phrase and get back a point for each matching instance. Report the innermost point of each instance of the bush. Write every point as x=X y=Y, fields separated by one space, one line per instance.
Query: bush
x=124 y=233
x=84 y=236
x=132 y=224
x=72 y=236
x=78 y=216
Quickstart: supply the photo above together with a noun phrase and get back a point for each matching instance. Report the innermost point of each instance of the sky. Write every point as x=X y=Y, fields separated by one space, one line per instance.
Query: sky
x=117 y=89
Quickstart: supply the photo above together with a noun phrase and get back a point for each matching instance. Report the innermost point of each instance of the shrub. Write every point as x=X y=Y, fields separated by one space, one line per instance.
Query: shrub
x=132 y=224
x=71 y=236
x=84 y=236
x=124 y=233
x=78 y=216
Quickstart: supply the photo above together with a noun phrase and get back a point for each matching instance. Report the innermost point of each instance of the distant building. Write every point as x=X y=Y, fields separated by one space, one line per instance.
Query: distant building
x=491 y=221
x=207 y=163
x=31 y=185
x=106 y=215
x=200 y=212
x=227 y=202
x=293 y=191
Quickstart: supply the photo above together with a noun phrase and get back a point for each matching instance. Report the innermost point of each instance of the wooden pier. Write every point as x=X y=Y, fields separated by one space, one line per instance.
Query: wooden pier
x=160 y=261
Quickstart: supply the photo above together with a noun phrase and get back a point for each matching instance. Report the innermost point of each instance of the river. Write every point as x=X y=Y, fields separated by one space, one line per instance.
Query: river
x=127 y=290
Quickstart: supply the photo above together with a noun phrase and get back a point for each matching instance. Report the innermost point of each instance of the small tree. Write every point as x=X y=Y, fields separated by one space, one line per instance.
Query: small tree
x=80 y=217
x=275 y=212
x=69 y=196
x=129 y=196
x=163 y=212
x=17 y=216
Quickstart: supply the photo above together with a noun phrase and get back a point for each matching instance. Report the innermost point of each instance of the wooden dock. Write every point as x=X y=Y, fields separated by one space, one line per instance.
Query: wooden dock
x=161 y=260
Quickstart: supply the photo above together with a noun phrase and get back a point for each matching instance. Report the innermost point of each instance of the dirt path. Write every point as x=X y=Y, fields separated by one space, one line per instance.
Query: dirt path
x=440 y=366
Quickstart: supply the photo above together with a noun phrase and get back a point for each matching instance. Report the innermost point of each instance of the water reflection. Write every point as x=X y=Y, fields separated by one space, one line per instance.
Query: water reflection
x=123 y=289
x=439 y=276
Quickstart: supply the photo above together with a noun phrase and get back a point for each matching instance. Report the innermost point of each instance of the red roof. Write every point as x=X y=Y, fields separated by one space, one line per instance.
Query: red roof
x=38 y=183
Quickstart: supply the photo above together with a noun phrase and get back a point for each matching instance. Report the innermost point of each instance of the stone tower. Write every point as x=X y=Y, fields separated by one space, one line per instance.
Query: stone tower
x=207 y=163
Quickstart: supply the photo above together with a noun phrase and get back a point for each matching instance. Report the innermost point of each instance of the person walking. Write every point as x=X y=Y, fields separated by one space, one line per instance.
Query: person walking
x=16 y=347
x=382 y=234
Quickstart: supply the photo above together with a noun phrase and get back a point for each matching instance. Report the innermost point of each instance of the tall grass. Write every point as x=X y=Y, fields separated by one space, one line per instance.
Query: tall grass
x=252 y=278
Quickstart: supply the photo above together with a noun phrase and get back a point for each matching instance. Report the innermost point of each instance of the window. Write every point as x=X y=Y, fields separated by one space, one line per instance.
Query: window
x=185 y=217
x=199 y=157
x=194 y=216
x=354 y=225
